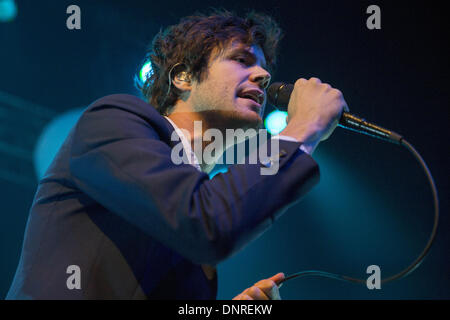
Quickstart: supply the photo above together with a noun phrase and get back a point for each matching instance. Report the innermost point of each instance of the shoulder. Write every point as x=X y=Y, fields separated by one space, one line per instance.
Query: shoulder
x=126 y=102
x=122 y=115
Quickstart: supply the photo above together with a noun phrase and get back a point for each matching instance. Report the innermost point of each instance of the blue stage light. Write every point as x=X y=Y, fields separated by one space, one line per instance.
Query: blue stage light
x=8 y=10
x=275 y=122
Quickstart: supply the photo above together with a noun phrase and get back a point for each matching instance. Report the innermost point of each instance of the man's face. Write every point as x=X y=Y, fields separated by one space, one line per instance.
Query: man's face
x=233 y=93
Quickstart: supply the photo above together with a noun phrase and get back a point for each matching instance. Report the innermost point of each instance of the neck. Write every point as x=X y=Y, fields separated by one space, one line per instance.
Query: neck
x=196 y=125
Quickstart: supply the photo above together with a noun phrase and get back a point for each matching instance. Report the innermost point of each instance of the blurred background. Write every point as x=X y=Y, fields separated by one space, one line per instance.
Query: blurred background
x=373 y=204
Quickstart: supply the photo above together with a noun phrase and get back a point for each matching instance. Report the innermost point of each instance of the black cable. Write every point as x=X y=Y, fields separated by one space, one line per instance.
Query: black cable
x=416 y=262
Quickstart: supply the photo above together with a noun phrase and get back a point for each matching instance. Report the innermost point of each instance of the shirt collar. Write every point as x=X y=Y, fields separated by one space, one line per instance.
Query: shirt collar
x=192 y=158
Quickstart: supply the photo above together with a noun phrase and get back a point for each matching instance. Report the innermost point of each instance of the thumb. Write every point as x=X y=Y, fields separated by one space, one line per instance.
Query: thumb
x=278 y=278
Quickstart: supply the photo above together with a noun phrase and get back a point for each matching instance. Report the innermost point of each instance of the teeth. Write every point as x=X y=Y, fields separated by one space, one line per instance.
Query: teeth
x=257 y=97
x=247 y=96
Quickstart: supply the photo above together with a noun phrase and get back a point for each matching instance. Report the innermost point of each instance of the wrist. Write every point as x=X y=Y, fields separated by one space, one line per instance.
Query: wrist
x=307 y=137
x=306 y=145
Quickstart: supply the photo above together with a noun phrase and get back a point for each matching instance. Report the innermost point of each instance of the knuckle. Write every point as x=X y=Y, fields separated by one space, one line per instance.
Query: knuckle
x=253 y=290
x=271 y=284
x=315 y=80
x=255 y=293
x=265 y=283
x=337 y=92
x=299 y=82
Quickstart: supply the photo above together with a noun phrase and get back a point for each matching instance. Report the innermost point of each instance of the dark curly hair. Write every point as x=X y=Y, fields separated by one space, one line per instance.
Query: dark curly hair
x=190 y=44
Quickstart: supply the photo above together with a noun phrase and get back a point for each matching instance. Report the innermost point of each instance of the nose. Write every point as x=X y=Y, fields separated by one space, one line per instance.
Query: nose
x=261 y=76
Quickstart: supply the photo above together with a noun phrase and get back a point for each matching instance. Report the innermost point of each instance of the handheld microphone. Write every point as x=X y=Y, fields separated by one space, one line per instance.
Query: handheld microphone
x=279 y=94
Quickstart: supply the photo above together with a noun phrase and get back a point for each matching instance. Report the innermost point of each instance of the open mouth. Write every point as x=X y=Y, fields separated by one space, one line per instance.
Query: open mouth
x=254 y=95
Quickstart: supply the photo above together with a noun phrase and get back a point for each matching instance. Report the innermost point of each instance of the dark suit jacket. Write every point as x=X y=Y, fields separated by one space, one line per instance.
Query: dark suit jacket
x=138 y=226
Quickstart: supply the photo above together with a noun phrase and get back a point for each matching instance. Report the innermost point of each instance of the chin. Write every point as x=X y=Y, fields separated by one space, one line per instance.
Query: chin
x=254 y=120
x=247 y=121
x=233 y=119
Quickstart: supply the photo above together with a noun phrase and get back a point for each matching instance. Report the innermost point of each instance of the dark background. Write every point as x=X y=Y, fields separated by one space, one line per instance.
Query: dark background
x=373 y=205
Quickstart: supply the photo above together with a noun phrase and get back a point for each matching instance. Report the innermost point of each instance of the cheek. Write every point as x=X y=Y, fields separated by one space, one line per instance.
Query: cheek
x=222 y=89
x=213 y=94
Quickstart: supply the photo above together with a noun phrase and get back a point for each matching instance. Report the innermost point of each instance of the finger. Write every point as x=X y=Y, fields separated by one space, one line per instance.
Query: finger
x=243 y=296
x=238 y=297
x=256 y=293
x=301 y=82
x=278 y=277
x=269 y=287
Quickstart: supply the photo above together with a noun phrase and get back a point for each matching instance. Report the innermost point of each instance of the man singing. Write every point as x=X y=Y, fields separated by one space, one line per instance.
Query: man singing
x=115 y=207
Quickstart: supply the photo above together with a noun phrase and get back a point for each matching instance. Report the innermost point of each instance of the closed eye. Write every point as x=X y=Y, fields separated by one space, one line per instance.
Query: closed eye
x=242 y=60
x=244 y=57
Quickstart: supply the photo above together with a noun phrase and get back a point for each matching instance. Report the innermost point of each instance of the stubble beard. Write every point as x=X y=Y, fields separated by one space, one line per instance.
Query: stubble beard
x=221 y=113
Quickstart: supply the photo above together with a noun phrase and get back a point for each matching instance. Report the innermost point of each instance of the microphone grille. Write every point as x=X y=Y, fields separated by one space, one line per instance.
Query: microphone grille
x=272 y=92
x=278 y=94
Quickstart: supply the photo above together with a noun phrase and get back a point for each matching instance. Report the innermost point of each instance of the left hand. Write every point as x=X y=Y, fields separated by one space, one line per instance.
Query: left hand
x=266 y=289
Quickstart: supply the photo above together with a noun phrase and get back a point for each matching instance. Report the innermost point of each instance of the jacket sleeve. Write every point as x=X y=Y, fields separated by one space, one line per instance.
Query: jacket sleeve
x=118 y=159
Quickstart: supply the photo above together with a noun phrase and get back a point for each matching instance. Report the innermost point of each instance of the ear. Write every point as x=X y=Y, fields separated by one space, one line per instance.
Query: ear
x=182 y=81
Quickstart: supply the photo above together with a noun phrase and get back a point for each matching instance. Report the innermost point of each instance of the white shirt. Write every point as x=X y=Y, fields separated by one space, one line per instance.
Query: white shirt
x=192 y=158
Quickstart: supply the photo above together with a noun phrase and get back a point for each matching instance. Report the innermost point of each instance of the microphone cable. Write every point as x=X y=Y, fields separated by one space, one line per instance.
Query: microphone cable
x=416 y=263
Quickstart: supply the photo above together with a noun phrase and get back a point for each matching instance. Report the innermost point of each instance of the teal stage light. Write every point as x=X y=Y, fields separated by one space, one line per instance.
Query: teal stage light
x=218 y=169
x=275 y=122
x=8 y=10
x=146 y=72
x=51 y=139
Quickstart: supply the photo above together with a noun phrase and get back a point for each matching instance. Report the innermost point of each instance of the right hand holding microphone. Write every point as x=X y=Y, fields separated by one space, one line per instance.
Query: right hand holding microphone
x=313 y=112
